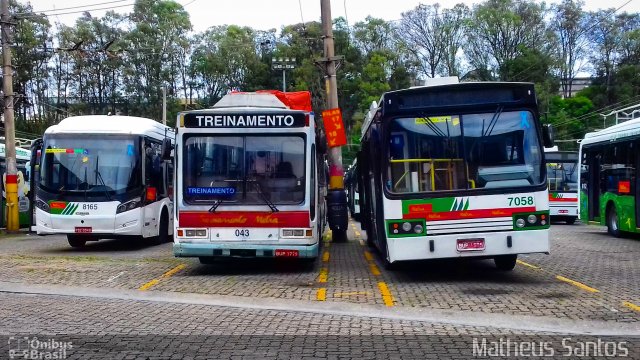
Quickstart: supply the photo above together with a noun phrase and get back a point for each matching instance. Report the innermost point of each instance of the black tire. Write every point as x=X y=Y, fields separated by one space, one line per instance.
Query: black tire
x=339 y=236
x=207 y=260
x=613 y=225
x=570 y=220
x=163 y=234
x=76 y=241
x=505 y=262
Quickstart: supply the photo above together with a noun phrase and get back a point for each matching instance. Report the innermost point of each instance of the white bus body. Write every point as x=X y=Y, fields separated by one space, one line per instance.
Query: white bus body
x=103 y=177
x=455 y=171
x=247 y=175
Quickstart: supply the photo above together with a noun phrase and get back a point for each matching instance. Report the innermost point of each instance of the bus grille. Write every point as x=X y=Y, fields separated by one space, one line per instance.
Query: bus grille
x=469 y=226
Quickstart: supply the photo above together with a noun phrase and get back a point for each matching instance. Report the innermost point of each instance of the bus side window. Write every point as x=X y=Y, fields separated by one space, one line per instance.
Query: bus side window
x=153 y=167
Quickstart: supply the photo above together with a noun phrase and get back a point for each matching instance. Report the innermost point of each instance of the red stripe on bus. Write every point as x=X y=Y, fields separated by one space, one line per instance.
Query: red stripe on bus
x=563 y=200
x=244 y=218
x=469 y=214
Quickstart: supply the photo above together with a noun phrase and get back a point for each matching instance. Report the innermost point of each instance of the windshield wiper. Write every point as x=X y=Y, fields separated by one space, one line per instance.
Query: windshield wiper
x=99 y=177
x=266 y=200
x=213 y=208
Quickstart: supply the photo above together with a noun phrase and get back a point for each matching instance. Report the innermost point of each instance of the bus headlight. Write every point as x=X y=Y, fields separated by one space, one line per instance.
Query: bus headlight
x=42 y=205
x=129 y=205
x=532 y=219
x=520 y=223
x=406 y=226
x=417 y=229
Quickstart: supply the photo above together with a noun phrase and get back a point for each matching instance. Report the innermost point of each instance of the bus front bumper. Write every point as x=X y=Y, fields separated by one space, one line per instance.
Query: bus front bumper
x=445 y=246
x=202 y=249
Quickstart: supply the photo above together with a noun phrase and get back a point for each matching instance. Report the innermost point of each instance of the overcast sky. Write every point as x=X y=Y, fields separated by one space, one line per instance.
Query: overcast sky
x=268 y=14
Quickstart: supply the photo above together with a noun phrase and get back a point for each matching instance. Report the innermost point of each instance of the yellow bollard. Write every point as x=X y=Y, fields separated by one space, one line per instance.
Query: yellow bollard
x=13 y=221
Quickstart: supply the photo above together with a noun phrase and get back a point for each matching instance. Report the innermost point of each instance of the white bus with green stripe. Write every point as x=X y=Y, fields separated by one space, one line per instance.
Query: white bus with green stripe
x=455 y=171
x=103 y=177
x=608 y=179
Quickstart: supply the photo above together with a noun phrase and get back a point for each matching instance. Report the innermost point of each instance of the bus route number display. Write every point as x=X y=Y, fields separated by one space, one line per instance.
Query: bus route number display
x=334 y=127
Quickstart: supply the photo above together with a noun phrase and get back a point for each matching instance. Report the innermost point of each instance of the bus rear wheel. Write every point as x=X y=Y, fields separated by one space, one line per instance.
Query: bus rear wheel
x=505 y=262
x=613 y=227
x=76 y=241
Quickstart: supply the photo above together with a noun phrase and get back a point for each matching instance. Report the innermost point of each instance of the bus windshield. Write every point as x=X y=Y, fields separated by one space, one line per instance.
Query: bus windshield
x=91 y=164
x=563 y=176
x=465 y=151
x=244 y=169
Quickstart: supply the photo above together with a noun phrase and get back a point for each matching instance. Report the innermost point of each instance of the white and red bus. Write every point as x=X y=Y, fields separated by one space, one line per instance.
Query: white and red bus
x=247 y=179
x=562 y=172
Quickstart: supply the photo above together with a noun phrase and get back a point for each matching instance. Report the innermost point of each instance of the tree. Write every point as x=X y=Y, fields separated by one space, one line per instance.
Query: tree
x=570 y=26
x=499 y=30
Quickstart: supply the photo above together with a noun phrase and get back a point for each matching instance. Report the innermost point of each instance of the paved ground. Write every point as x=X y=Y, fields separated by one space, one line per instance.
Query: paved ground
x=590 y=281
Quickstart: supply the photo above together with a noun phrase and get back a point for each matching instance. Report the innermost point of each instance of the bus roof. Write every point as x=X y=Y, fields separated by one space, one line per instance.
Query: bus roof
x=621 y=130
x=109 y=124
x=454 y=97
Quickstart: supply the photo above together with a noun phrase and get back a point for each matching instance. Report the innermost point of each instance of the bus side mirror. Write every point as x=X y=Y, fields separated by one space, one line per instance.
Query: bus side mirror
x=548 y=135
x=166 y=149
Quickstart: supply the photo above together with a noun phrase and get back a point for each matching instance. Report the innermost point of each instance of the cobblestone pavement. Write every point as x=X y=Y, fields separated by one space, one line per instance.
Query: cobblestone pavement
x=599 y=276
x=118 y=329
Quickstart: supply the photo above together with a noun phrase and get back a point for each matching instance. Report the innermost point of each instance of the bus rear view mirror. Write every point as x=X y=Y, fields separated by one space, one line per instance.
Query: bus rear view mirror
x=166 y=149
x=548 y=135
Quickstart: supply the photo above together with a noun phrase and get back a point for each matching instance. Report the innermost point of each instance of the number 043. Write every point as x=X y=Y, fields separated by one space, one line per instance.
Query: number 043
x=521 y=200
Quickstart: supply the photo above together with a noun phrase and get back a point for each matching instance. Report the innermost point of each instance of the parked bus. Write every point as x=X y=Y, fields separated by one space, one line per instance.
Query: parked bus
x=562 y=172
x=455 y=170
x=608 y=179
x=103 y=177
x=351 y=186
x=23 y=156
x=247 y=183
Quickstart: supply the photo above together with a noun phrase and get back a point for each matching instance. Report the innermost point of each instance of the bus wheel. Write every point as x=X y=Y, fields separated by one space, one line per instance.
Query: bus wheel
x=206 y=260
x=76 y=241
x=570 y=220
x=339 y=236
x=163 y=233
x=612 y=221
x=505 y=262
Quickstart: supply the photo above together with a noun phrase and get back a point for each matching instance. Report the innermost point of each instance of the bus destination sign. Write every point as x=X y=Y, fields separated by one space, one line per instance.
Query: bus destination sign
x=245 y=120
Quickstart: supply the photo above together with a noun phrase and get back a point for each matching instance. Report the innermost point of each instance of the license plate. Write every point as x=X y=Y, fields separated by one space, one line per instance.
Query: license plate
x=470 y=244
x=287 y=253
x=83 y=230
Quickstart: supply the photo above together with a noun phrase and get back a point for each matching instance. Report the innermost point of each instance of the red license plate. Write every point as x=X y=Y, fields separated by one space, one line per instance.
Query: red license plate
x=83 y=230
x=470 y=244
x=287 y=253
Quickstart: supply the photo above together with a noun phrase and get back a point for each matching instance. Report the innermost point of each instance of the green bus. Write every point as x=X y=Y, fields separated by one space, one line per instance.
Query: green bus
x=23 y=158
x=608 y=178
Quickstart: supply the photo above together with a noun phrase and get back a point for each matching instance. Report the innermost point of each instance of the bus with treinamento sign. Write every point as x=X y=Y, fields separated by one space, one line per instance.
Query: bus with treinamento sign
x=104 y=177
x=455 y=171
x=248 y=171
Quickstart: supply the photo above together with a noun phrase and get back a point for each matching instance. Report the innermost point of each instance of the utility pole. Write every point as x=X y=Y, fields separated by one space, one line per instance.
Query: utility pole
x=13 y=223
x=164 y=104
x=336 y=196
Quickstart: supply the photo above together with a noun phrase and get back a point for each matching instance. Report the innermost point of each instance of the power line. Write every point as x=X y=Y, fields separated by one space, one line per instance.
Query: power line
x=76 y=12
x=73 y=7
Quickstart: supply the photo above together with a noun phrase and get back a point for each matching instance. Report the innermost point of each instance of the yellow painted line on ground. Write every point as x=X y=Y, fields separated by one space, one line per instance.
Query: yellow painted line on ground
x=324 y=274
x=165 y=275
x=149 y=284
x=374 y=269
x=361 y=242
x=386 y=294
x=351 y=293
x=321 y=295
x=528 y=265
x=578 y=284
x=631 y=306
x=325 y=256
x=368 y=256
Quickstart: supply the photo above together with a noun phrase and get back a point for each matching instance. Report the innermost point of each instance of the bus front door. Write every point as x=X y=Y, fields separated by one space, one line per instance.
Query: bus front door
x=594 y=186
